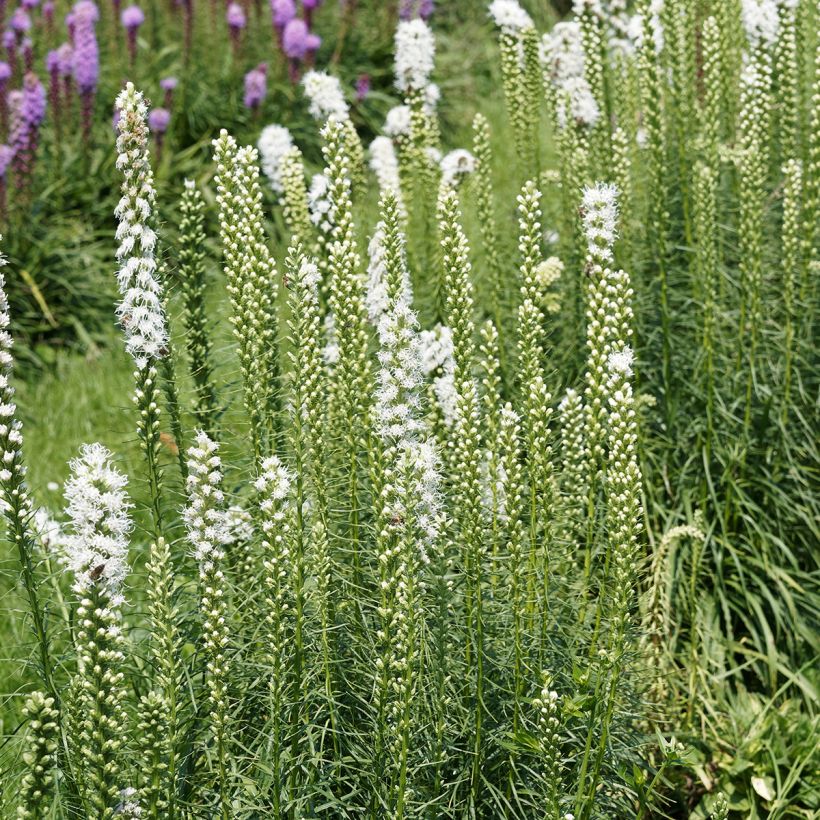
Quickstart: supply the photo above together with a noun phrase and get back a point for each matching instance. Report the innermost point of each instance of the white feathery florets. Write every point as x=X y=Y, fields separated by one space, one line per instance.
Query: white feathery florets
x=620 y=361
x=761 y=22
x=274 y=481
x=577 y=102
x=238 y=525
x=140 y=312
x=562 y=51
x=204 y=515
x=319 y=203
x=421 y=460
x=600 y=218
x=456 y=164
x=327 y=100
x=274 y=142
x=397 y=122
x=330 y=352
x=97 y=504
x=509 y=16
x=385 y=166
x=376 y=296
x=415 y=55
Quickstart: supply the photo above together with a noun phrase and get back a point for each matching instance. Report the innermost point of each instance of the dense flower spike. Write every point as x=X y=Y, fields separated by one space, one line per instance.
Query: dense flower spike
x=324 y=91
x=36 y=789
x=415 y=55
x=140 y=311
x=274 y=142
x=97 y=504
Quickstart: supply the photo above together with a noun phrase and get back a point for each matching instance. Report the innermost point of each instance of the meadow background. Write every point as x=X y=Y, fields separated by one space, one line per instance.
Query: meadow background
x=729 y=463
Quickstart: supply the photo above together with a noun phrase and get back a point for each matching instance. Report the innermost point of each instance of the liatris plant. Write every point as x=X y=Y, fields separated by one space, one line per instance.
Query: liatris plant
x=28 y=108
x=429 y=560
x=132 y=18
x=85 y=59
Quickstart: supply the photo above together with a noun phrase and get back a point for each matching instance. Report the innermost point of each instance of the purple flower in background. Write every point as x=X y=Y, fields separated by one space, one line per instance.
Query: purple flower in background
x=158 y=121
x=115 y=119
x=10 y=44
x=309 y=7
x=65 y=55
x=86 y=58
x=235 y=17
x=132 y=18
x=28 y=54
x=28 y=108
x=295 y=39
x=30 y=4
x=5 y=76
x=20 y=22
x=256 y=86
x=53 y=69
x=282 y=12
x=168 y=85
x=362 y=87
x=70 y=25
x=408 y=9
x=48 y=15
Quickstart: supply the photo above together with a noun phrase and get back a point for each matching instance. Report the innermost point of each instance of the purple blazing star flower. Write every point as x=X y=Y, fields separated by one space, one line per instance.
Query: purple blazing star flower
x=86 y=51
x=282 y=12
x=256 y=86
x=53 y=69
x=9 y=39
x=28 y=5
x=235 y=17
x=6 y=156
x=65 y=54
x=5 y=76
x=28 y=54
x=48 y=13
x=132 y=17
x=28 y=109
x=168 y=85
x=362 y=87
x=86 y=59
x=295 y=39
x=20 y=22
x=158 y=120
x=5 y=72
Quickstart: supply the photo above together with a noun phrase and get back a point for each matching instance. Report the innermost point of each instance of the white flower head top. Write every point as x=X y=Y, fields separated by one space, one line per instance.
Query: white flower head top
x=140 y=312
x=455 y=165
x=600 y=218
x=275 y=480
x=397 y=122
x=385 y=165
x=415 y=55
x=96 y=550
x=562 y=51
x=204 y=514
x=509 y=16
x=761 y=22
x=327 y=100
x=620 y=362
x=274 y=142
x=12 y=469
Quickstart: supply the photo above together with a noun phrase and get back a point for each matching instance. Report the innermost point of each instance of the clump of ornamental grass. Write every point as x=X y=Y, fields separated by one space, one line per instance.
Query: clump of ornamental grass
x=485 y=522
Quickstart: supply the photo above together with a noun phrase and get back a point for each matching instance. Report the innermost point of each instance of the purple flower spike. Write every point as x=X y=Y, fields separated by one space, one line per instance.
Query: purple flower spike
x=20 y=22
x=256 y=86
x=5 y=72
x=168 y=85
x=282 y=12
x=65 y=53
x=28 y=54
x=5 y=76
x=53 y=68
x=362 y=87
x=310 y=5
x=28 y=108
x=313 y=41
x=48 y=14
x=235 y=16
x=294 y=39
x=158 y=120
x=28 y=5
x=86 y=59
x=132 y=17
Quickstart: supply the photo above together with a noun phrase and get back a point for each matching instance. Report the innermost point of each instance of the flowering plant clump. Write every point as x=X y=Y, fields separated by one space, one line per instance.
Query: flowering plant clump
x=471 y=481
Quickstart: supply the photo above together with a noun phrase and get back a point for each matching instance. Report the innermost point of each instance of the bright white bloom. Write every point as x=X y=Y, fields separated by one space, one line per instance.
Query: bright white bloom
x=238 y=525
x=620 y=361
x=397 y=122
x=204 y=515
x=562 y=51
x=327 y=100
x=319 y=203
x=415 y=55
x=433 y=154
x=140 y=312
x=761 y=22
x=509 y=16
x=430 y=98
x=436 y=348
x=456 y=164
x=594 y=6
x=421 y=460
x=444 y=388
x=98 y=506
x=274 y=142
x=577 y=102
x=128 y=807
x=274 y=483
x=600 y=218
x=376 y=296
x=385 y=166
